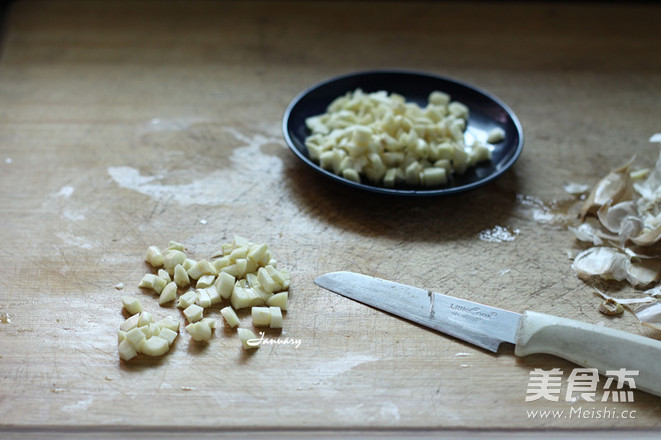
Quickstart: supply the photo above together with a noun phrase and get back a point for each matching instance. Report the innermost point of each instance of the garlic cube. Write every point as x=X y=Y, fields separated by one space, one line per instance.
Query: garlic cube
x=252 y=280
x=176 y=246
x=251 y=266
x=240 y=297
x=279 y=276
x=225 y=284
x=266 y=281
x=258 y=252
x=261 y=316
x=262 y=293
x=168 y=322
x=200 y=331
x=121 y=334
x=131 y=304
x=278 y=300
x=168 y=294
x=168 y=335
x=286 y=278
x=193 y=313
x=221 y=262
x=238 y=269
x=145 y=318
x=276 y=317
x=255 y=299
x=153 y=282
x=230 y=316
x=188 y=263
x=389 y=179
x=481 y=152
x=412 y=173
x=210 y=322
x=126 y=350
x=434 y=176
x=155 y=346
x=248 y=339
x=239 y=241
x=205 y=281
x=130 y=323
x=458 y=110
x=439 y=98
x=181 y=276
x=214 y=296
x=496 y=135
x=203 y=300
x=202 y=267
x=136 y=337
x=351 y=174
x=149 y=330
x=239 y=253
x=162 y=273
x=186 y=299
x=154 y=256
x=172 y=257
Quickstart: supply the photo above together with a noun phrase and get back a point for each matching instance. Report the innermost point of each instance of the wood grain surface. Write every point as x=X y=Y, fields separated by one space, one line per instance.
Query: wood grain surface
x=124 y=124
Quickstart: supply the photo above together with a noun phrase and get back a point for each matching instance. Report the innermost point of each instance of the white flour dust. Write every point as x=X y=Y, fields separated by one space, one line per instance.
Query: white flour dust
x=498 y=234
x=248 y=162
x=205 y=191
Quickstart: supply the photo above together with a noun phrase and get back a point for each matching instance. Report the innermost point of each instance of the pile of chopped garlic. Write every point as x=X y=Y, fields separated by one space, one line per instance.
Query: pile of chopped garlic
x=621 y=219
x=242 y=273
x=140 y=334
x=391 y=142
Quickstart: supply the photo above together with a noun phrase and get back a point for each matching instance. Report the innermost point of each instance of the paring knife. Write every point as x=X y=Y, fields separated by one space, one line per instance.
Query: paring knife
x=584 y=344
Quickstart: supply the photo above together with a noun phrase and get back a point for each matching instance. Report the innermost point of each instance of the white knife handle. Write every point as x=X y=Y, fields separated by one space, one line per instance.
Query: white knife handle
x=592 y=346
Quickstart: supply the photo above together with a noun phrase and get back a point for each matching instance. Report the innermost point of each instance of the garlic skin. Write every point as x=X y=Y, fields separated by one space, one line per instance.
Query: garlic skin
x=615 y=187
x=644 y=273
x=625 y=216
x=604 y=262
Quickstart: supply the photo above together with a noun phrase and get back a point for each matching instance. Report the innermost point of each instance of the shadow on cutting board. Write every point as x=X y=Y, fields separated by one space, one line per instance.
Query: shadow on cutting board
x=427 y=219
x=5 y=9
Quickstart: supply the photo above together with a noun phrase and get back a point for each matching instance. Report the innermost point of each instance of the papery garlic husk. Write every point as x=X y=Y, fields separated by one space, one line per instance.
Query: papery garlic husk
x=604 y=262
x=616 y=187
x=651 y=325
x=650 y=313
x=649 y=206
x=591 y=231
x=648 y=237
x=644 y=273
x=612 y=216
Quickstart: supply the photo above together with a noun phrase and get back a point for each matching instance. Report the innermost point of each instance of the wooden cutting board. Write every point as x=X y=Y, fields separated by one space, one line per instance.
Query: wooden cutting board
x=128 y=124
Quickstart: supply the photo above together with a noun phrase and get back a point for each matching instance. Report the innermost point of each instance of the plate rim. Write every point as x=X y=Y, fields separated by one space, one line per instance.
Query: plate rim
x=400 y=191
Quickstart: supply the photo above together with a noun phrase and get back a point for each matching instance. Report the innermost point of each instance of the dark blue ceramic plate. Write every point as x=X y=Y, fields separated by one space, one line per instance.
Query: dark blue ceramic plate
x=486 y=113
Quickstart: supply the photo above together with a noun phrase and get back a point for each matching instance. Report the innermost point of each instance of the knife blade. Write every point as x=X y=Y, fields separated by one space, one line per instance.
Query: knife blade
x=585 y=344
